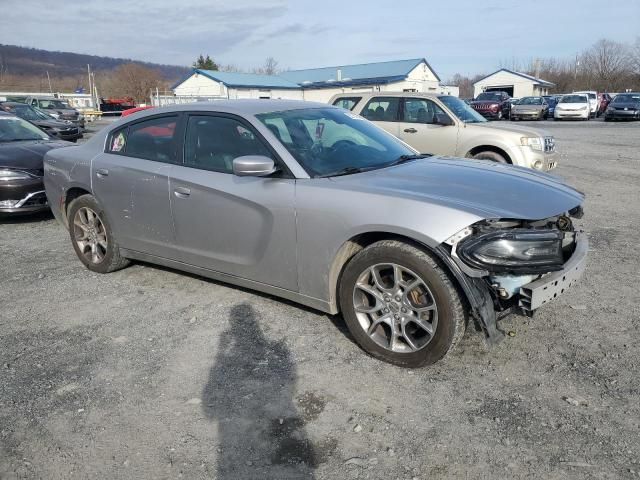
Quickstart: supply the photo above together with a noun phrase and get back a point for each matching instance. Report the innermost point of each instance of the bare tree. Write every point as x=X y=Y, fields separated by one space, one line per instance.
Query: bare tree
x=607 y=64
x=270 y=67
x=132 y=80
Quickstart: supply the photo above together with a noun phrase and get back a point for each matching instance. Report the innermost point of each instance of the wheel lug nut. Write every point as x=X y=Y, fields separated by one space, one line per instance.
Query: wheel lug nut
x=386 y=310
x=398 y=298
x=403 y=310
x=396 y=316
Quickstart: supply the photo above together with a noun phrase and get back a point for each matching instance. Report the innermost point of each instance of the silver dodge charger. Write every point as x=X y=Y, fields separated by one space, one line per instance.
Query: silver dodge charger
x=317 y=205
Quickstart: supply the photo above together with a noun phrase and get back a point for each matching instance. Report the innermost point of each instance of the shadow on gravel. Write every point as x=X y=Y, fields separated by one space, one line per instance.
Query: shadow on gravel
x=250 y=395
x=17 y=218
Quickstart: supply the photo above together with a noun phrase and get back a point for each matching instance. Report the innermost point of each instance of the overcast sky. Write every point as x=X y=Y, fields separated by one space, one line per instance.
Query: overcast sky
x=465 y=36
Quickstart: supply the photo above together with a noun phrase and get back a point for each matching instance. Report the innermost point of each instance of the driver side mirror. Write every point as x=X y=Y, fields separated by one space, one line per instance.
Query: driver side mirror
x=443 y=119
x=253 y=166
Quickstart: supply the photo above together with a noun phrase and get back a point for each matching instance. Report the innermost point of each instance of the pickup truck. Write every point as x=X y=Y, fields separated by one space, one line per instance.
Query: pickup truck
x=445 y=125
x=57 y=108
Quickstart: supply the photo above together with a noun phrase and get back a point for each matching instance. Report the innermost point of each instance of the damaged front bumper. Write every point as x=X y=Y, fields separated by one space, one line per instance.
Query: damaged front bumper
x=494 y=296
x=535 y=294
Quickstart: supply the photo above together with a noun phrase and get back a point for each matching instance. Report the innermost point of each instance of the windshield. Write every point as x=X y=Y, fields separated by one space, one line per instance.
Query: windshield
x=530 y=101
x=326 y=141
x=627 y=98
x=54 y=104
x=28 y=113
x=13 y=129
x=493 y=96
x=462 y=110
x=573 y=99
x=551 y=101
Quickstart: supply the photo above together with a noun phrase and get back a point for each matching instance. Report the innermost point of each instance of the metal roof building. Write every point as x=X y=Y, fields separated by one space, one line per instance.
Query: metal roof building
x=317 y=84
x=516 y=84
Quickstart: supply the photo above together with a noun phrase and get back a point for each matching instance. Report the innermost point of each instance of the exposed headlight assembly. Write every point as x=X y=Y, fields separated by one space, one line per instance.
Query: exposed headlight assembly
x=517 y=250
x=536 y=143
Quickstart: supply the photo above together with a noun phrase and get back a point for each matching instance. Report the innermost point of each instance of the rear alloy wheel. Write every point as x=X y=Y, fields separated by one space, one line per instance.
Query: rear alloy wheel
x=400 y=305
x=500 y=115
x=92 y=237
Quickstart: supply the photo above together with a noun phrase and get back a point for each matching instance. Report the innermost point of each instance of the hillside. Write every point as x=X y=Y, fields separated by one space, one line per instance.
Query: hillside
x=25 y=68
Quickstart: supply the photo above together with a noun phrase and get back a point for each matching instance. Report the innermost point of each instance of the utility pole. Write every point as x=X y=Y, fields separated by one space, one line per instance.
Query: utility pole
x=49 y=80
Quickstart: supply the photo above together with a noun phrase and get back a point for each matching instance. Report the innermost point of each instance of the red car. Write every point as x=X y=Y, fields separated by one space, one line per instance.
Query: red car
x=134 y=110
x=604 y=99
x=492 y=105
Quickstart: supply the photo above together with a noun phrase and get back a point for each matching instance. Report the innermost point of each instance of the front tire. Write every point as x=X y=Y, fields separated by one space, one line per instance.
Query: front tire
x=489 y=155
x=92 y=237
x=400 y=305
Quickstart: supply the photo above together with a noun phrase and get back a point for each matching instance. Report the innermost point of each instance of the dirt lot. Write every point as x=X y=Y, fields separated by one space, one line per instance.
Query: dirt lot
x=151 y=373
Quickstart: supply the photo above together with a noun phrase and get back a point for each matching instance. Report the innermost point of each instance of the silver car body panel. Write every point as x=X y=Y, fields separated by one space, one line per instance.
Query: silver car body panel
x=282 y=236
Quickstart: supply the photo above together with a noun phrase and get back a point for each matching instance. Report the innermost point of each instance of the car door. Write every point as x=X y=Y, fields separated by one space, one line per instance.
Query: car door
x=131 y=181
x=383 y=111
x=420 y=127
x=243 y=226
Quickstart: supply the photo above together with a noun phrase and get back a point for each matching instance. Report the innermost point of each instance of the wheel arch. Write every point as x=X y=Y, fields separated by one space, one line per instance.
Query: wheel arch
x=69 y=196
x=476 y=297
x=489 y=148
x=361 y=241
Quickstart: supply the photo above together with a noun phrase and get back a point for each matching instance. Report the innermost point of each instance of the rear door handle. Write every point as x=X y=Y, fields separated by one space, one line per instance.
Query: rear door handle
x=102 y=172
x=182 y=192
x=410 y=130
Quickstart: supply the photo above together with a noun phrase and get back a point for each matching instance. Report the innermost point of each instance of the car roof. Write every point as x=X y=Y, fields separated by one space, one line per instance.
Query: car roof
x=240 y=107
x=390 y=94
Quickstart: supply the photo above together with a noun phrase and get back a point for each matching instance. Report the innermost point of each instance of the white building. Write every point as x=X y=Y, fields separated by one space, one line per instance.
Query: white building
x=316 y=84
x=516 y=84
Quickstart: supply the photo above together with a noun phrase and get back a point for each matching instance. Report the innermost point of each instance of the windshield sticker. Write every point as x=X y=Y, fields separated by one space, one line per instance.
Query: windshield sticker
x=319 y=130
x=117 y=144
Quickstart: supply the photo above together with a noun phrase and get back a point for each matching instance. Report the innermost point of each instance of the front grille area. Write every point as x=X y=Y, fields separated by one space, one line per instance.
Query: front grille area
x=549 y=144
x=69 y=131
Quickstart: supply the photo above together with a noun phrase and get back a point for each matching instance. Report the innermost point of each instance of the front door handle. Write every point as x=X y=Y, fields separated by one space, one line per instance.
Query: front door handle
x=182 y=192
x=410 y=130
x=102 y=172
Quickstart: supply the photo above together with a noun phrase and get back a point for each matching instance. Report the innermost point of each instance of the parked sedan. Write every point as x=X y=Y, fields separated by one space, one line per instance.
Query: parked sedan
x=315 y=204
x=532 y=108
x=575 y=106
x=625 y=106
x=22 y=147
x=61 y=129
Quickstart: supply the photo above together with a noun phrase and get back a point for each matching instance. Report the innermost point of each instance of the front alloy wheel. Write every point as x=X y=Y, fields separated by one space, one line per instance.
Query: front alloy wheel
x=400 y=304
x=395 y=308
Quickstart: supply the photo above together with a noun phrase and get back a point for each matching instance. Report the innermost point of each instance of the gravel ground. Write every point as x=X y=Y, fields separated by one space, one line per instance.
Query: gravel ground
x=151 y=373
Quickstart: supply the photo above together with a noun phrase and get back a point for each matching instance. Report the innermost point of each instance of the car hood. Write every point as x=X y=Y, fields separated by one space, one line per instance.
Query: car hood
x=484 y=189
x=52 y=124
x=629 y=105
x=509 y=127
x=26 y=155
x=482 y=102
x=527 y=107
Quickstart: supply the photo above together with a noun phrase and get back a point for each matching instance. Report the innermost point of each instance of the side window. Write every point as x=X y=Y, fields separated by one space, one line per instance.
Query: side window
x=212 y=143
x=420 y=110
x=118 y=141
x=153 y=139
x=279 y=129
x=382 y=109
x=347 y=102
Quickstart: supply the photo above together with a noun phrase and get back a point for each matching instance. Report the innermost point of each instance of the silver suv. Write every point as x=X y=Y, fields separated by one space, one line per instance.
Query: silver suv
x=445 y=125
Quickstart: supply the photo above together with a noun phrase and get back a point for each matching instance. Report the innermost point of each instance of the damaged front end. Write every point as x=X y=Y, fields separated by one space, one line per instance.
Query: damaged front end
x=511 y=265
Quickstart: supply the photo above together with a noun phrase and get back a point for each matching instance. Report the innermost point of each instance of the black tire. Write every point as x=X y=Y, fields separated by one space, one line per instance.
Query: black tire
x=112 y=259
x=452 y=318
x=489 y=155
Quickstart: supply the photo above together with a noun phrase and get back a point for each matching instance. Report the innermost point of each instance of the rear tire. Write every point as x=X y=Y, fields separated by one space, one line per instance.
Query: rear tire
x=92 y=237
x=423 y=336
x=489 y=155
